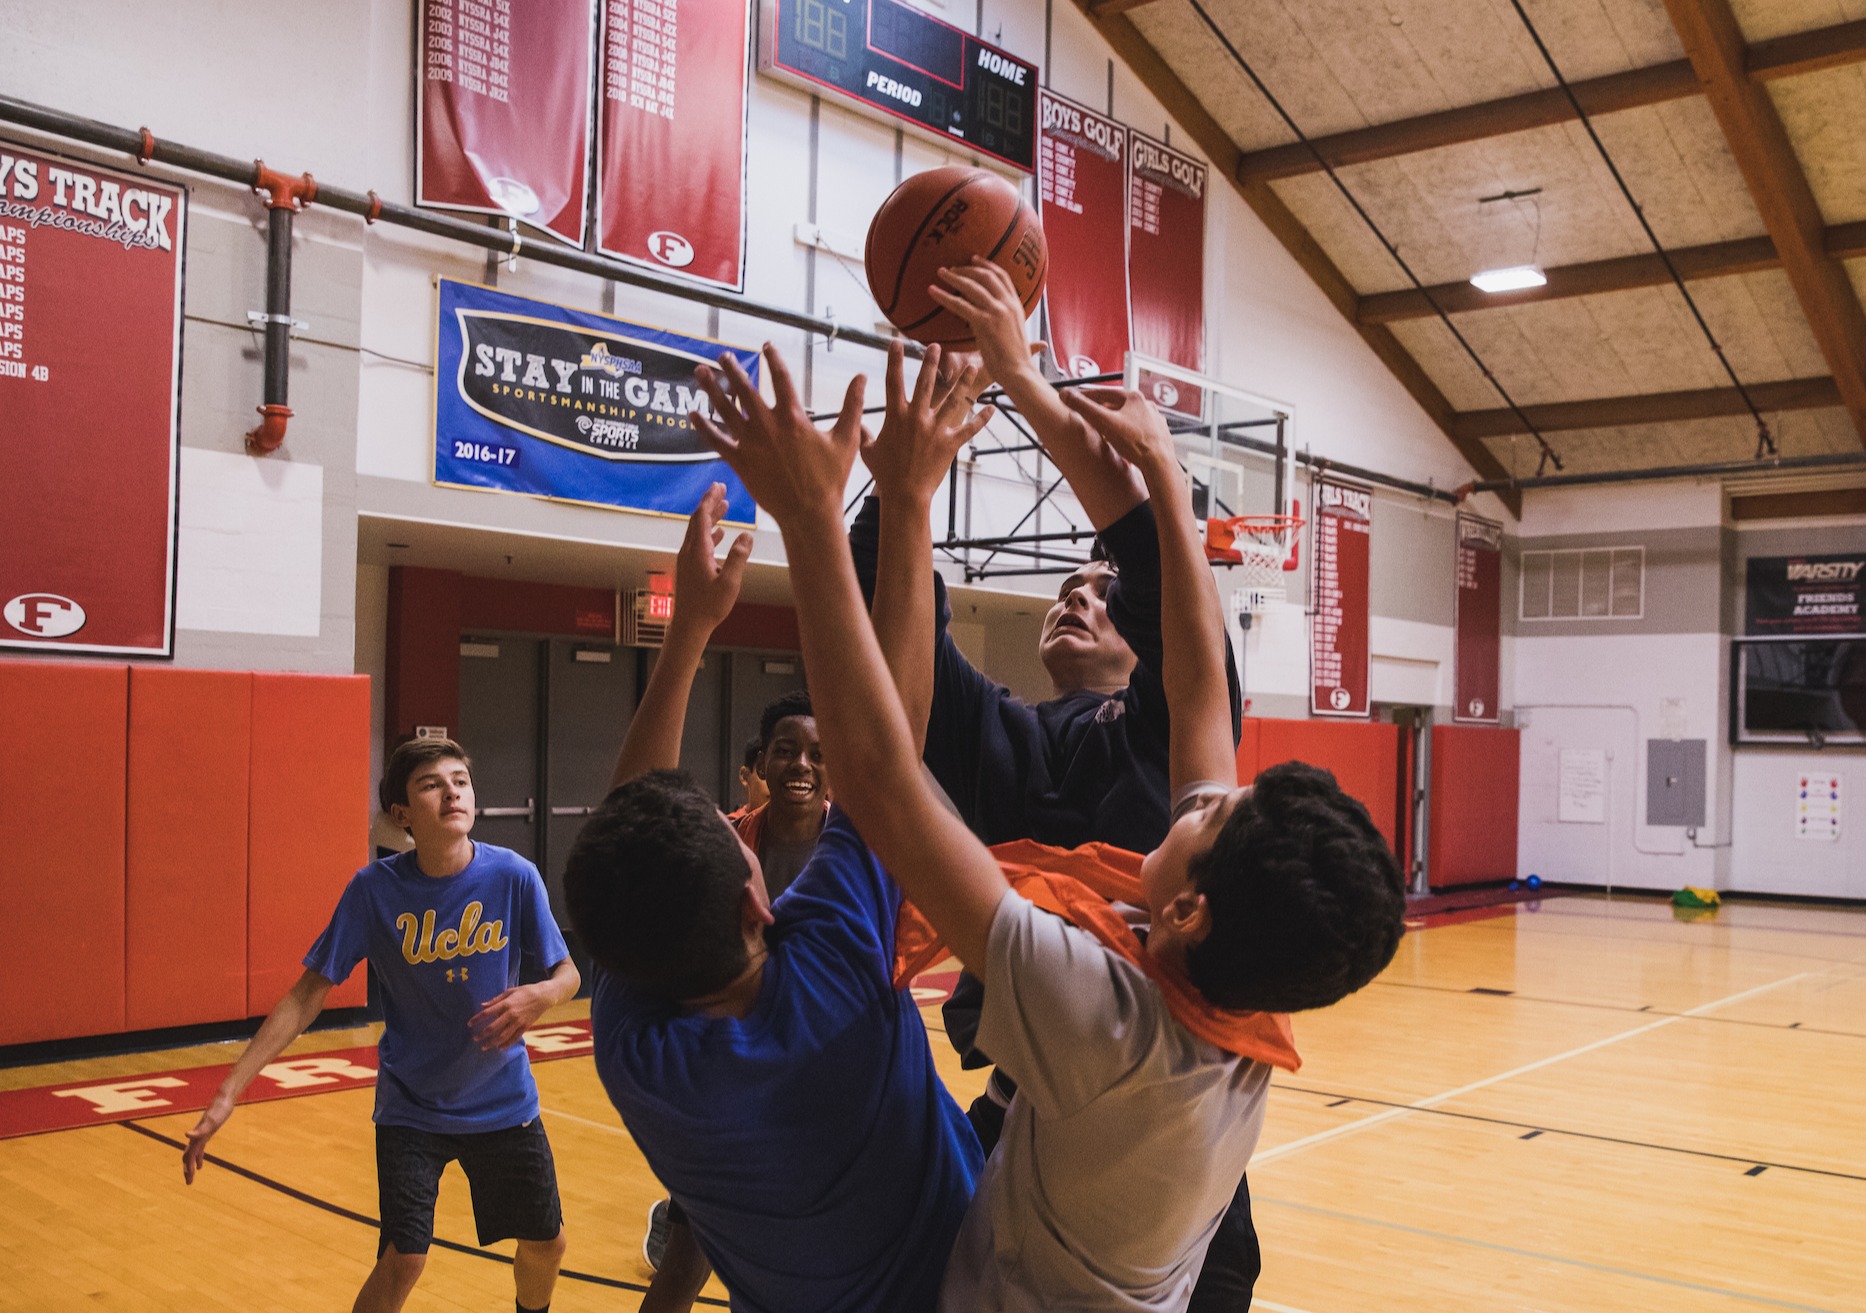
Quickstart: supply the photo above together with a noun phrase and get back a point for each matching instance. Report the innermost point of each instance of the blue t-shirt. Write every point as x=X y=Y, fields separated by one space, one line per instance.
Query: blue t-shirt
x=818 y=1156
x=442 y=947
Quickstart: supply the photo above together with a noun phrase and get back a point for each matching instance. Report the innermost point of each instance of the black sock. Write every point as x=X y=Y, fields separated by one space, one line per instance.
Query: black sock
x=522 y=1309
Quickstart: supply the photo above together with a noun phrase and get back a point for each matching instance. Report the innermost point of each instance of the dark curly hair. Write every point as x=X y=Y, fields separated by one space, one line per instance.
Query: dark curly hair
x=653 y=886
x=1307 y=902
x=783 y=708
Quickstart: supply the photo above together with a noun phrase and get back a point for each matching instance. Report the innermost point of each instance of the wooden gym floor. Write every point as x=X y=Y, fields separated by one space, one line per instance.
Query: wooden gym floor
x=1586 y=1105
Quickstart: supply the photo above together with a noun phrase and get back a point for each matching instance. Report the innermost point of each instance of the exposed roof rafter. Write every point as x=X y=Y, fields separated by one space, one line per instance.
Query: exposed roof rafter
x=1649 y=408
x=1180 y=102
x=1777 y=183
x=1803 y=52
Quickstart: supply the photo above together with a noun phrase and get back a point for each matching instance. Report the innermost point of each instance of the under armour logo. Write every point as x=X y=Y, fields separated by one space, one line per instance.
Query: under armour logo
x=450 y=974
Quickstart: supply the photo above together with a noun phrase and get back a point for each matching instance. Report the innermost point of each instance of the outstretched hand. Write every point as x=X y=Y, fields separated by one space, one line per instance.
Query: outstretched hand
x=982 y=294
x=194 y=1153
x=793 y=469
x=1130 y=426
x=924 y=430
x=705 y=587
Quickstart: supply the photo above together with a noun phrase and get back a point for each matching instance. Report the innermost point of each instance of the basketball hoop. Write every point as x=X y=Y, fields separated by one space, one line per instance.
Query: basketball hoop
x=1259 y=545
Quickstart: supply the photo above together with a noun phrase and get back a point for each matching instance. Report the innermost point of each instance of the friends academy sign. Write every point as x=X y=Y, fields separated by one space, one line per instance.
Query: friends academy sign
x=1806 y=595
x=554 y=402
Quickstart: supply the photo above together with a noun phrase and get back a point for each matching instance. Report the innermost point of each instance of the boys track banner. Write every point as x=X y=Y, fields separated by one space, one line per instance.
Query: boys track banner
x=503 y=109
x=1339 y=653
x=670 y=176
x=1166 y=267
x=1477 y=621
x=1082 y=196
x=554 y=402
x=90 y=370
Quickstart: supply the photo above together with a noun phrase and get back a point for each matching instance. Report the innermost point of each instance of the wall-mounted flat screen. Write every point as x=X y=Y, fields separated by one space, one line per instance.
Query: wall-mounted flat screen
x=1808 y=691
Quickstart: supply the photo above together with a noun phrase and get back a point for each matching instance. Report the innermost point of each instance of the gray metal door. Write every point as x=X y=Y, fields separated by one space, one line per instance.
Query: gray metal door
x=591 y=695
x=499 y=730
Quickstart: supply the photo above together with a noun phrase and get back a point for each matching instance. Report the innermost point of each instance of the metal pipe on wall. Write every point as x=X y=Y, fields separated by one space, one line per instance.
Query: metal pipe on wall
x=146 y=147
x=1831 y=460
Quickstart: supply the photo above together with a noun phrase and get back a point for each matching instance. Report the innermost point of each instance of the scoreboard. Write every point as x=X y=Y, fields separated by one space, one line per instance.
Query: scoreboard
x=882 y=55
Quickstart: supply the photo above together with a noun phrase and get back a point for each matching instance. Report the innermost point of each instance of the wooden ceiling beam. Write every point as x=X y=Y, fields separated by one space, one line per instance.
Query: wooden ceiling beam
x=1748 y=255
x=1493 y=118
x=1648 y=408
x=1802 y=52
x=1107 y=8
x=1779 y=186
x=1185 y=108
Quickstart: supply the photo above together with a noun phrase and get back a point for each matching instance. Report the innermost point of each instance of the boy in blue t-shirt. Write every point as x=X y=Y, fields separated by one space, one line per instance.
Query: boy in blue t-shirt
x=776 y=1081
x=447 y=928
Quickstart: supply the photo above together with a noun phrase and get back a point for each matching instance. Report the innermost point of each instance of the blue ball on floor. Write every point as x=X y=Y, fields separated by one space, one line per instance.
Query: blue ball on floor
x=1534 y=882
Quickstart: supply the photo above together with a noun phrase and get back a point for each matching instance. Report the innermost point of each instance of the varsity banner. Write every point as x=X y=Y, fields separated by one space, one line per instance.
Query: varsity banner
x=670 y=177
x=1477 y=622
x=502 y=121
x=560 y=403
x=1081 y=191
x=1339 y=653
x=1166 y=267
x=1805 y=595
x=90 y=373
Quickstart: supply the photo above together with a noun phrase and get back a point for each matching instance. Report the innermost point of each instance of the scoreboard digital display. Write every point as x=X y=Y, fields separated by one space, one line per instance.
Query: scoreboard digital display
x=888 y=56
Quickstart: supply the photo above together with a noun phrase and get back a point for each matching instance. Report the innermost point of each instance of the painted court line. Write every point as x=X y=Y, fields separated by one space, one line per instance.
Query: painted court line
x=1391 y=1114
x=1535 y=1254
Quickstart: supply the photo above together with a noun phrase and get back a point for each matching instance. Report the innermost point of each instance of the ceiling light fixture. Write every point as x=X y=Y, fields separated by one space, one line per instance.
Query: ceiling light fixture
x=1513 y=279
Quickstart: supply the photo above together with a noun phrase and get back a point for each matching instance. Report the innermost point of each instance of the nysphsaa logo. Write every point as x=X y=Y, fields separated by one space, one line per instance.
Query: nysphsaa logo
x=671 y=249
x=44 y=615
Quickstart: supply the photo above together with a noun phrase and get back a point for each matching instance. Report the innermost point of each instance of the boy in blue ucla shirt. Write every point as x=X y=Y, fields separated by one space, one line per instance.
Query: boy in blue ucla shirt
x=448 y=927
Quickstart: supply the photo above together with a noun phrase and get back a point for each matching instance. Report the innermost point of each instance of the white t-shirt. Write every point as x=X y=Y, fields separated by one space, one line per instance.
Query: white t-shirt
x=1123 y=1147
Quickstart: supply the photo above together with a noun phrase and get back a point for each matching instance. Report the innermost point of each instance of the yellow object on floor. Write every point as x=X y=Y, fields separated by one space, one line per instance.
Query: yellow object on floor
x=1690 y=896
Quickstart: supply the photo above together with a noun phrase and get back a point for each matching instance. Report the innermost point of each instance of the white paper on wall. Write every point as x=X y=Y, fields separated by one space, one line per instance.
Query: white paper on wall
x=1817 y=808
x=1583 y=786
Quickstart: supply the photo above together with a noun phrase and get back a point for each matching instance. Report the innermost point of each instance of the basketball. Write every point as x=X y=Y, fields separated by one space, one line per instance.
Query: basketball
x=944 y=217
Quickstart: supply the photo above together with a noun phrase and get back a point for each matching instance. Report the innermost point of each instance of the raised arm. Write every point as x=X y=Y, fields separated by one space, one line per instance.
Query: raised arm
x=982 y=294
x=1192 y=628
x=920 y=435
x=705 y=589
x=799 y=474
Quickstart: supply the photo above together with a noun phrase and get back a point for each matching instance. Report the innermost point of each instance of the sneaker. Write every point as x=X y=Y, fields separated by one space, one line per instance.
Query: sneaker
x=654 y=1244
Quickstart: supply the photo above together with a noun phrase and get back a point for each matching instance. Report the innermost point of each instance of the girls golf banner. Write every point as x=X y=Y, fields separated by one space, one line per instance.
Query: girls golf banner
x=1339 y=653
x=90 y=369
x=1081 y=189
x=670 y=177
x=1166 y=267
x=554 y=402
x=1477 y=621
x=502 y=115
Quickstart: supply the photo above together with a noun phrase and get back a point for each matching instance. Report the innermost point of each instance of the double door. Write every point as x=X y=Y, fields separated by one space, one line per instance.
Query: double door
x=543 y=719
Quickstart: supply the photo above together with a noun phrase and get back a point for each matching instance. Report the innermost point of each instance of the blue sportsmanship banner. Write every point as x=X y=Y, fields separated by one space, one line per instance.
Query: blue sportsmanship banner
x=541 y=399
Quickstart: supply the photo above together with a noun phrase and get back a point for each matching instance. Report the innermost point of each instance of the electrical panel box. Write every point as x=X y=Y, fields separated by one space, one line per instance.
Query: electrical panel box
x=1675 y=782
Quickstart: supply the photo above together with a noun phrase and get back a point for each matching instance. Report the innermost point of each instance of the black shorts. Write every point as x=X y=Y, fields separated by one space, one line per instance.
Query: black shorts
x=511 y=1172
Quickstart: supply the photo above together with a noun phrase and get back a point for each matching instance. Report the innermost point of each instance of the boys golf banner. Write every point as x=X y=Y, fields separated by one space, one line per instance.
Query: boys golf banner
x=90 y=367
x=1081 y=188
x=554 y=402
x=503 y=109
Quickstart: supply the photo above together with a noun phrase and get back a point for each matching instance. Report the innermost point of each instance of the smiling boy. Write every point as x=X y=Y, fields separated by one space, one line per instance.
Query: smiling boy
x=447 y=928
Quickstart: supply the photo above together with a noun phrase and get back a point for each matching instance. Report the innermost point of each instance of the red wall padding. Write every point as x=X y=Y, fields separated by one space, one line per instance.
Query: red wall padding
x=61 y=849
x=190 y=757
x=1474 y=778
x=310 y=821
x=1364 y=756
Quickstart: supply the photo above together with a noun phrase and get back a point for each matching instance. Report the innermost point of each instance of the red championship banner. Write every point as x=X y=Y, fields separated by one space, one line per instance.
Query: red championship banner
x=1477 y=623
x=670 y=176
x=502 y=122
x=1339 y=653
x=1166 y=267
x=90 y=370
x=1081 y=189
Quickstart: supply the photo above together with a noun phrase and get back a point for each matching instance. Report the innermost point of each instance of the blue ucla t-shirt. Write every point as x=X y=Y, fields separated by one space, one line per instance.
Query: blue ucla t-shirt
x=441 y=948
x=817 y=1154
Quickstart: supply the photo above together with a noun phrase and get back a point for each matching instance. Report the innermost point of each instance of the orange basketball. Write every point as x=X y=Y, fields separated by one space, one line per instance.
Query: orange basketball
x=944 y=217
